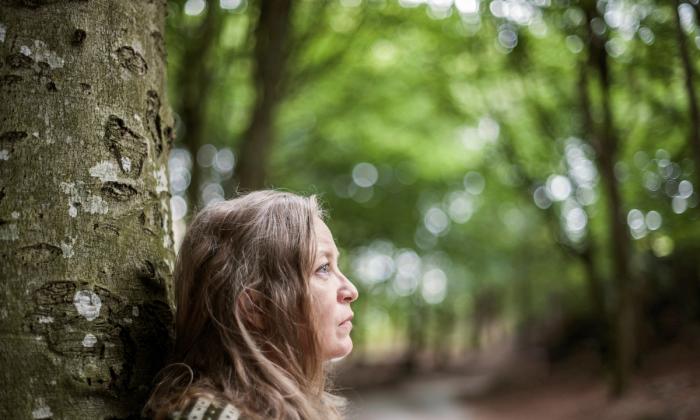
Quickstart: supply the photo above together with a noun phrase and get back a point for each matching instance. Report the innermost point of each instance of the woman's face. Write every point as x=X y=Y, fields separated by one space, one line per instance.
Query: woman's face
x=332 y=294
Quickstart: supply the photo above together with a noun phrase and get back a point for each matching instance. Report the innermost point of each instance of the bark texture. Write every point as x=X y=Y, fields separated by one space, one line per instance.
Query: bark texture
x=85 y=228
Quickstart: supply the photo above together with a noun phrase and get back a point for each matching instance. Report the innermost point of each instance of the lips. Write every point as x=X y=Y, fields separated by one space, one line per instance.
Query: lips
x=347 y=320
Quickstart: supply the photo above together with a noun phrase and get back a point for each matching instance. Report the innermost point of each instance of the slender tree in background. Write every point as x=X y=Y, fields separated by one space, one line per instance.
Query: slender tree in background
x=195 y=78
x=581 y=252
x=604 y=140
x=487 y=308
x=693 y=109
x=85 y=237
x=416 y=334
x=270 y=58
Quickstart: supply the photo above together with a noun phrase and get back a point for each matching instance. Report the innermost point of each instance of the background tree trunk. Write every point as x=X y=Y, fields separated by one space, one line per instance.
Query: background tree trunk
x=85 y=229
x=693 y=109
x=195 y=79
x=582 y=252
x=415 y=332
x=270 y=57
x=604 y=139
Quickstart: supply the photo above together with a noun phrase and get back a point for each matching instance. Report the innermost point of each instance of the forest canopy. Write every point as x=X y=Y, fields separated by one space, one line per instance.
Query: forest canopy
x=485 y=163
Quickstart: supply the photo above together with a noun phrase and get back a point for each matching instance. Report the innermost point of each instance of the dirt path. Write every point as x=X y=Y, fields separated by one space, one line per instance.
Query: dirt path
x=666 y=388
x=419 y=399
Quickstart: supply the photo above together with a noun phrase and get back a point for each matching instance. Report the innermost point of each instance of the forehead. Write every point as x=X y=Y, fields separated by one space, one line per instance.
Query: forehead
x=324 y=238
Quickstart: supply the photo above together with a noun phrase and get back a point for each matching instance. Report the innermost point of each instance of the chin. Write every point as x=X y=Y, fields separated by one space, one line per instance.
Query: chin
x=341 y=351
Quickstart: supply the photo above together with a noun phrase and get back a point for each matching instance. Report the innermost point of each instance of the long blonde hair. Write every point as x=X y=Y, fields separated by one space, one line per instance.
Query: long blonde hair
x=244 y=324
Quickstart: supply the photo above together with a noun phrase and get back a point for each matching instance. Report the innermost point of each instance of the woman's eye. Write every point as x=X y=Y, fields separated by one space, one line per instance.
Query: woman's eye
x=323 y=269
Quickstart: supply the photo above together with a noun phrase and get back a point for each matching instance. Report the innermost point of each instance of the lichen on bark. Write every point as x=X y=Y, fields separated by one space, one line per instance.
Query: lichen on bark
x=85 y=237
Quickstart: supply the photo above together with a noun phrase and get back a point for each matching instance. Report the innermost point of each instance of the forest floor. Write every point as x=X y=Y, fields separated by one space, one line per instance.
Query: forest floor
x=509 y=386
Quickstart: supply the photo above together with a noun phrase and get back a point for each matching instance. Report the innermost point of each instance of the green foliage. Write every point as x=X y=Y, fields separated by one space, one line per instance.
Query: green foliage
x=438 y=102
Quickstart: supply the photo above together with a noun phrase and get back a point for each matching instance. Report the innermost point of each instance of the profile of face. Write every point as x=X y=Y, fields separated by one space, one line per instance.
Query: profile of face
x=332 y=293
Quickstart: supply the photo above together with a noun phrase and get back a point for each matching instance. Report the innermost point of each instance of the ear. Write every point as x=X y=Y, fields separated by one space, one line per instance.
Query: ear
x=249 y=304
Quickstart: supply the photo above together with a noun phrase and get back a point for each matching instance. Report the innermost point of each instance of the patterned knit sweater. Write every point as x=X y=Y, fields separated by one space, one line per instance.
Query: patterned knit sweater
x=205 y=409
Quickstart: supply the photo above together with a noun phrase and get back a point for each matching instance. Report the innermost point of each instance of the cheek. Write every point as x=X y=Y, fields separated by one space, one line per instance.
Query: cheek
x=324 y=307
x=328 y=319
x=334 y=341
x=325 y=299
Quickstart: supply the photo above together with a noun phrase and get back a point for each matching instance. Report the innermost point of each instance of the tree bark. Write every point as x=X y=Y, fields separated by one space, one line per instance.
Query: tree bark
x=693 y=109
x=270 y=58
x=85 y=228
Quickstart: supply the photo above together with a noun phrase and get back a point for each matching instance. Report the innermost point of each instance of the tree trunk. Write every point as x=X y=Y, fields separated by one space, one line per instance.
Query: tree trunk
x=596 y=293
x=415 y=333
x=270 y=57
x=606 y=144
x=693 y=109
x=195 y=79
x=85 y=233
x=583 y=253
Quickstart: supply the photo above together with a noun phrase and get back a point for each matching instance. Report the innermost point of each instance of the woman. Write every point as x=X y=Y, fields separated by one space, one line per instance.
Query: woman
x=261 y=307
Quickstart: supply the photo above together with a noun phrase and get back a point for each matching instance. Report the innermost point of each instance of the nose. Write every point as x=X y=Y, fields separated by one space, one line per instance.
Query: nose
x=348 y=292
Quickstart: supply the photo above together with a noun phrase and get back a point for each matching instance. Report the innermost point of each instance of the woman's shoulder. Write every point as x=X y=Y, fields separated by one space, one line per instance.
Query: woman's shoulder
x=205 y=409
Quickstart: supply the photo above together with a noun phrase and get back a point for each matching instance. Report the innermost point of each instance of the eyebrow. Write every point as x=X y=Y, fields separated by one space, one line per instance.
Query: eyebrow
x=327 y=252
